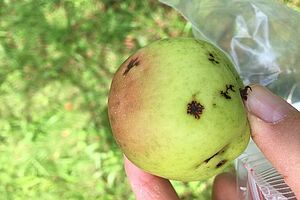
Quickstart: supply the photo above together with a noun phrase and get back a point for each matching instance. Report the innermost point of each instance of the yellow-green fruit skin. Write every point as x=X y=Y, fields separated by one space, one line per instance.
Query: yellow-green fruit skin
x=149 y=100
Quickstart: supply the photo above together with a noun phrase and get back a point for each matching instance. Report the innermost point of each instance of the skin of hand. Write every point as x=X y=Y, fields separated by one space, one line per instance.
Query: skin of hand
x=275 y=128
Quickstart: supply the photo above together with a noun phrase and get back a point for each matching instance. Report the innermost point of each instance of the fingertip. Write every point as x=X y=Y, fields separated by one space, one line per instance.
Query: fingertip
x=147 y=186
x=267 y=106
x=135 y=174
x=225 y=187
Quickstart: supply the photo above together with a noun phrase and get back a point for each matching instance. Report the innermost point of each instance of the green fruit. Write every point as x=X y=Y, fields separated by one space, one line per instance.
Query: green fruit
x=176 y=111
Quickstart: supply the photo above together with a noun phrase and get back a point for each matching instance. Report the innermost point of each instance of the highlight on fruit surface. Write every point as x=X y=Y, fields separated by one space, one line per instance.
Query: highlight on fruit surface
x=176 y=110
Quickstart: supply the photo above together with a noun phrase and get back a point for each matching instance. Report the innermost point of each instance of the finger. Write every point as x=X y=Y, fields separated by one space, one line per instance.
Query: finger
x=225 y=187
x=147 y=186
x=275 y=128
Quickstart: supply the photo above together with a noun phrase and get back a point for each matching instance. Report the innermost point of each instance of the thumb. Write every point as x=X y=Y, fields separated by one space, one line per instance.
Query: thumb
x=275 y=128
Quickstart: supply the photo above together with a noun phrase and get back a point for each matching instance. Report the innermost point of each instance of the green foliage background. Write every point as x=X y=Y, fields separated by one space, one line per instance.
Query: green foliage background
x=57 y=59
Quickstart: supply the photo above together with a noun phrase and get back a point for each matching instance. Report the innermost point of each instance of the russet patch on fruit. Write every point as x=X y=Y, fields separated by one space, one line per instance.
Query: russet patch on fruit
x=176 y=109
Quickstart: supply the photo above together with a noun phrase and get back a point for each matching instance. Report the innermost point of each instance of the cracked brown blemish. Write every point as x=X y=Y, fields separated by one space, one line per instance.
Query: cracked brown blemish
x=195 y=108
x=221 y=163
x=132 y=63
x=218 y=153
x=212 y=58
x=226 y=92
x=244 y=92
x=230 y=87
x=208 y=159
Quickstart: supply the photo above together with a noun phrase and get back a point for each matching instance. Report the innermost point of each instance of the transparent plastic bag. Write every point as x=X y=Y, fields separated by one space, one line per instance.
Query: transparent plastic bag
x=262 y=37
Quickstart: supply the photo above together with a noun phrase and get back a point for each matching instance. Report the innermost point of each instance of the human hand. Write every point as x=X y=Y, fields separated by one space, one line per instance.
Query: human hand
x=275 y=128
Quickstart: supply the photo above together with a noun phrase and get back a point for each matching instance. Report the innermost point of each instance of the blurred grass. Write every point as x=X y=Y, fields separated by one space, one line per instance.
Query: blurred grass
x=57 y=59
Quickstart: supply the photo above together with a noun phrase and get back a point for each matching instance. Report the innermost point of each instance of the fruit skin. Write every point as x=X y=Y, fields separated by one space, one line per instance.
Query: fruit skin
x=149 y=100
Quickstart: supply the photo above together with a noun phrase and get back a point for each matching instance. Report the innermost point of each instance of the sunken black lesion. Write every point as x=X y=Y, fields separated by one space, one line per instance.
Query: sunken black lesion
x=132 y=63
x=221 y=163
x=213 y=58
x=218 y=153
x=195 y=108
x=225 y=93
x=208 y=159
x=244 y=92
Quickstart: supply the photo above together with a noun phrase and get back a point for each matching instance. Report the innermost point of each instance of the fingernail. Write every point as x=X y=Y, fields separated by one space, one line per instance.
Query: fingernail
x=267 y=106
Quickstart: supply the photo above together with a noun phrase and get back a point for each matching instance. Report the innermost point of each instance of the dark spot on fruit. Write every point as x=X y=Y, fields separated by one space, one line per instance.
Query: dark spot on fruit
x=244 y=92
x=133 y=62
x=118 y=103
x=123 y=145
x=195 y=94
x=208 y=159
x=214 y=105
x=226 y=92
x=195 y=108
x=146 y=154
x=212 y=58
x=198 y=165
x=230 y=87
x=221 y=163
x=219 y=152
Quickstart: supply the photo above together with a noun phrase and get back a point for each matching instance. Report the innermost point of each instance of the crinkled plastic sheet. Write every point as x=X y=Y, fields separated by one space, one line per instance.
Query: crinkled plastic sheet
x=262 y=37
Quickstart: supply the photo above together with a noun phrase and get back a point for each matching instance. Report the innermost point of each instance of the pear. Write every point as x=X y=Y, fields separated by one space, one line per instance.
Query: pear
x=176 y=109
